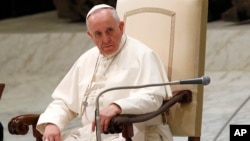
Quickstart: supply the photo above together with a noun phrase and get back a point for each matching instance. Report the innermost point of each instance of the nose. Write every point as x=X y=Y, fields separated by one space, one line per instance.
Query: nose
x=105 y=38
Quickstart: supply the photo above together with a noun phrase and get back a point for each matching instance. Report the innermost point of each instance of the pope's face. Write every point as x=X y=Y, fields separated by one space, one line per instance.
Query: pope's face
x=105 y=31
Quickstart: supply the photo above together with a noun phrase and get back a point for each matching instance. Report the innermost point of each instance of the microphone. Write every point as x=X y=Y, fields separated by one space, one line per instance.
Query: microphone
x=204 y=80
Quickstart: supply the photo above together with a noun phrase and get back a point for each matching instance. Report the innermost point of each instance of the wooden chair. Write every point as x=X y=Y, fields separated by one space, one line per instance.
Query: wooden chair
x=176 y=30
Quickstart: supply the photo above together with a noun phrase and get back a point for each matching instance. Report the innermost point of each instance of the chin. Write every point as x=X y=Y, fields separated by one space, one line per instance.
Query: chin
x=109 y=52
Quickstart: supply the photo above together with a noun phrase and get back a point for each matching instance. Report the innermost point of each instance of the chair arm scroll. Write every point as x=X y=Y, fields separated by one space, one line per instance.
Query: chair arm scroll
x=20 y=125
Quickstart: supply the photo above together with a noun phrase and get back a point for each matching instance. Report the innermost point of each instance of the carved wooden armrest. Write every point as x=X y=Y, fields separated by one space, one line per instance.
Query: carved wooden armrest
x=20 y=125
x=123 y=123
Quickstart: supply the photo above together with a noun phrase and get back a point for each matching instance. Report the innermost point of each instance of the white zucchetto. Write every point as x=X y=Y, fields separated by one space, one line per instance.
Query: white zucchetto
x=97 y=7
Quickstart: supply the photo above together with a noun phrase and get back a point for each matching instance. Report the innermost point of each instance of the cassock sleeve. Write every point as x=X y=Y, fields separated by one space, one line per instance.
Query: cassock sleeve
x=64 y=106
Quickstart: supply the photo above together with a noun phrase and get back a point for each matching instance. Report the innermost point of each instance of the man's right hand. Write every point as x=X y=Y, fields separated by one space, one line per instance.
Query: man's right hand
x=51 y=133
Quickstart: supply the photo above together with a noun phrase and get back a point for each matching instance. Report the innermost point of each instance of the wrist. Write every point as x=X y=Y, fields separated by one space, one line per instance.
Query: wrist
x=117 y=107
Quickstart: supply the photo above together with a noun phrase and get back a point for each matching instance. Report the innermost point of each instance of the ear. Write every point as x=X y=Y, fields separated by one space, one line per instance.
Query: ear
x=90 y=35
x=121 y=26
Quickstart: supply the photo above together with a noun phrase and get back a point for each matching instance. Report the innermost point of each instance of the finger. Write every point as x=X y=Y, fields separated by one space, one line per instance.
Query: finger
x=45 y=138
x=58 y=138
x=51 y=139
x=102 y=124
x=106 y=124
x=93 y=126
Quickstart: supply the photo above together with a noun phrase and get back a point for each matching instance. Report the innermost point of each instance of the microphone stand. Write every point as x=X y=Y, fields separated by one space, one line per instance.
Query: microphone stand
x=205 y=80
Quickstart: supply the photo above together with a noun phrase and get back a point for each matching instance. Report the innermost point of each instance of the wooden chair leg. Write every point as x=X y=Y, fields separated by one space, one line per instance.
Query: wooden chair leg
x=128 y=132
x=1 y=132
x=193 y=138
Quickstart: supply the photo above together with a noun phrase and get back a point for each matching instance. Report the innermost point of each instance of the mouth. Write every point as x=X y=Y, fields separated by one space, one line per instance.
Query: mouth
x=107 y=47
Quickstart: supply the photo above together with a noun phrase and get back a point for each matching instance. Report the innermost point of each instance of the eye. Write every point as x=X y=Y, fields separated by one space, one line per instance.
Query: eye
x=110 y=30
x=98 y=34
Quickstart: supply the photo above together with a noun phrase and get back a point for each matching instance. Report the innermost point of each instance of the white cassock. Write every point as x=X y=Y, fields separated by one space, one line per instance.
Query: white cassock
x=132 y=64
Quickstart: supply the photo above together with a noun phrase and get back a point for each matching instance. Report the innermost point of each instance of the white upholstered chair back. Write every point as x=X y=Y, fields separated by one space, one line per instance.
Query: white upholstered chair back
x=176 y=30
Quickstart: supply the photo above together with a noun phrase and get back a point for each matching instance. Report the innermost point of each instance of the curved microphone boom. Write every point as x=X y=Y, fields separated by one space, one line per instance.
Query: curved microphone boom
x=204 y=80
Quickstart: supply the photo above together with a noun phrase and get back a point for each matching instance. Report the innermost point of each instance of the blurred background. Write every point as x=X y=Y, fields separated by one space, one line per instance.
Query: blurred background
x=41 y=39
x=229 y=10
